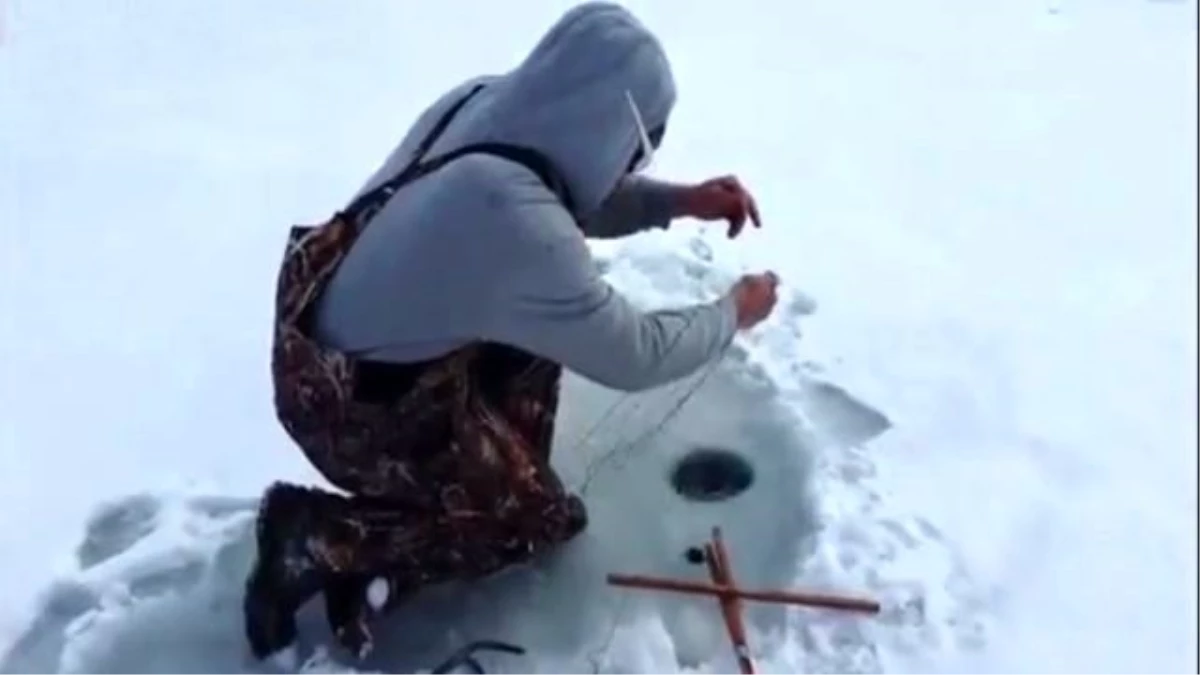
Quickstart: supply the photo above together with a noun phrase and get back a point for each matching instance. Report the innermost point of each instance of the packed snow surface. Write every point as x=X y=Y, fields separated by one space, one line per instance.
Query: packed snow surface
x=976 y=401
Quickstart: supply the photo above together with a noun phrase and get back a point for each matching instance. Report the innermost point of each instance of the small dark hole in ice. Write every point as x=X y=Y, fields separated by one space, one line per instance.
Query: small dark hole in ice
x=711 y=474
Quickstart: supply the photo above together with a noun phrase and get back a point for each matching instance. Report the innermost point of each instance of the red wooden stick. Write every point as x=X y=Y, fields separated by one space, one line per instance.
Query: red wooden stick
x=806 y=599
x=731 y=606
x=730 y=596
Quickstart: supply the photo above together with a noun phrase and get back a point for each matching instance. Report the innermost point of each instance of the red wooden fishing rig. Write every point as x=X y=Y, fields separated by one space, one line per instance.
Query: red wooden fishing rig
x=723 y=587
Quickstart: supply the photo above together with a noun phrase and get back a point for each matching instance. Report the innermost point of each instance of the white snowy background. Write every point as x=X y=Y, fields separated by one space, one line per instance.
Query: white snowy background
x=984 y=215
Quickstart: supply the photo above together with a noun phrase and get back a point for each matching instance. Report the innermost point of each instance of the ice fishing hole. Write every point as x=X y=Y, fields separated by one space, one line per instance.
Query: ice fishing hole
x=711 y=475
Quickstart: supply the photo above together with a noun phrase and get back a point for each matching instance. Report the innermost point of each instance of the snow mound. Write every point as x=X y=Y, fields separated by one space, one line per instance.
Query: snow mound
x=159 y=579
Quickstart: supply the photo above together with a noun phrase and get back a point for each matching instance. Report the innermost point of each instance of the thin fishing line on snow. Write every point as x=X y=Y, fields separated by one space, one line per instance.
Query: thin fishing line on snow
x=627 y=449
x=624 y=449
x=598 y=656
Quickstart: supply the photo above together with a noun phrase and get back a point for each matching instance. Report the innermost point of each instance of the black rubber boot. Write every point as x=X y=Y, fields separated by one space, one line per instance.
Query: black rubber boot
x=577 y=516
x=349 y=614
x=285 y=575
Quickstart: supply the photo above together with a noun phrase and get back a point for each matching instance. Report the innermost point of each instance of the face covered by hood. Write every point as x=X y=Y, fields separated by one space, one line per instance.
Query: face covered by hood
x=570 y=100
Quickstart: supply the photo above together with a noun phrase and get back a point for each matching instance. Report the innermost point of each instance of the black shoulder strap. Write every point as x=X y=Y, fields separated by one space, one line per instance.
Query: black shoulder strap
x=385 y=190
x=536 y=162
x=527 y=157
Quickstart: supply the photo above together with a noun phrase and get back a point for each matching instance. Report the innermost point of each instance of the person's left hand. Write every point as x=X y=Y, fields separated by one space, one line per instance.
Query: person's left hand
x=722 y=198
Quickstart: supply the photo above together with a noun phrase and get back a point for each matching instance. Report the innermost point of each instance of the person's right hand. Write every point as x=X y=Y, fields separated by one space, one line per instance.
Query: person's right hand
x=754 y=295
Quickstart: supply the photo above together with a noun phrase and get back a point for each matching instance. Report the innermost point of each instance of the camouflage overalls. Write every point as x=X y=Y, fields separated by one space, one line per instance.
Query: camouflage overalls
x=447 y=463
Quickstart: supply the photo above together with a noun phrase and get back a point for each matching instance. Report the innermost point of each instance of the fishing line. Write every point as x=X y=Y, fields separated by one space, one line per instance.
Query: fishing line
x=597 y=657
x=626 y=450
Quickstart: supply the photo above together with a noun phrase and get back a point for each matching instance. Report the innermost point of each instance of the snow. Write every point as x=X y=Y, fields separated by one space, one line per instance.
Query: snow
x=976 y=401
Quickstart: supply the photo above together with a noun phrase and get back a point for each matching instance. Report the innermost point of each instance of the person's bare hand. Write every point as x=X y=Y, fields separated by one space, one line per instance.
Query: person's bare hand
x=755 y=296
x=722 y=198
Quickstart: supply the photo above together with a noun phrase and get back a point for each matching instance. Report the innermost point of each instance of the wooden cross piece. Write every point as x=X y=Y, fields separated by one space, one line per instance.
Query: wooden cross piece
x=730 y=596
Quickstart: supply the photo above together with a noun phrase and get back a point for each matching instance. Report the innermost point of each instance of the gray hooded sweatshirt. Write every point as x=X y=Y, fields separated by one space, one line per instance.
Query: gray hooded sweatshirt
x=481 y=249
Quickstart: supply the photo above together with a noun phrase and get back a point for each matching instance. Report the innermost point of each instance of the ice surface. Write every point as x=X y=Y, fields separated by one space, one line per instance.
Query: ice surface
x=984 y=215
